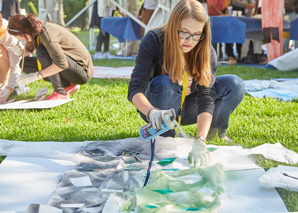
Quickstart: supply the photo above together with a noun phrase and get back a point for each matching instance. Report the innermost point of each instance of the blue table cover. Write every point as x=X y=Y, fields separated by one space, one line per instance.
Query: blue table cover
x=252 y=24
x=294 y=29
x=227 y=29
x=122 y=28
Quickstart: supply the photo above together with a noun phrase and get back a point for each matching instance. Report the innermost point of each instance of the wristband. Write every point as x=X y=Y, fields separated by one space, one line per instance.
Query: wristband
x=39 y=75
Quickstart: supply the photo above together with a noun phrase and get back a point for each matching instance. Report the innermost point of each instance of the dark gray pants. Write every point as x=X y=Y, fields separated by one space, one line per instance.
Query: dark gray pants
x=73 y=74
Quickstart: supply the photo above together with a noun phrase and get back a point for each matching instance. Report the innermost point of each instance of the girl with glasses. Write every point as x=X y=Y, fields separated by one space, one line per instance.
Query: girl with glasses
x=176 y=62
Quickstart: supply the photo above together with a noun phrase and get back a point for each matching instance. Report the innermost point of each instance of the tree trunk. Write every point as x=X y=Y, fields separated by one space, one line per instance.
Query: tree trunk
x=85 y=18
x=51 y=10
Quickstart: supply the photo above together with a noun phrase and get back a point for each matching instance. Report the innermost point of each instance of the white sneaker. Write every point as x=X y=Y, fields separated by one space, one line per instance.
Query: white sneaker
x=98 y=55
x=107 y=55
x=19 y=90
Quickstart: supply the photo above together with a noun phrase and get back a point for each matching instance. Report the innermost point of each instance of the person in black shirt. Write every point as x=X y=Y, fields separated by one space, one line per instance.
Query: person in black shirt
x=180 y=50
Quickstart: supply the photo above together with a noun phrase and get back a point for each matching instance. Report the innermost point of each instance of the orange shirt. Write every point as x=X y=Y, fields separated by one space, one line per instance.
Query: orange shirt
x=219 y=4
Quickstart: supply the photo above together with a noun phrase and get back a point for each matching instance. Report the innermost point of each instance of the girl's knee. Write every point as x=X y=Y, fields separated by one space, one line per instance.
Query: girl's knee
x=232 y=82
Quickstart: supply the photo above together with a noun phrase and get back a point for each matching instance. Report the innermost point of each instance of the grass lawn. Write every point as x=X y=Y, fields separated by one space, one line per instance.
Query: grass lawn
x=101 y=111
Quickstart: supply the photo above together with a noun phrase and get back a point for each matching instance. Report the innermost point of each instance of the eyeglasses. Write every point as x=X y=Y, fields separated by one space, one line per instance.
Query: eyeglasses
x=185 y=35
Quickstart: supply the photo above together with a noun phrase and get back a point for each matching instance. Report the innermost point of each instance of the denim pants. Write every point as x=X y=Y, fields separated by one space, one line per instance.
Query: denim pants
x=163 y=94
x=74 y=73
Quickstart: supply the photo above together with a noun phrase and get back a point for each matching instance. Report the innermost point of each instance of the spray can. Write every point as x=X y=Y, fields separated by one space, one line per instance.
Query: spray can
x=147 y=132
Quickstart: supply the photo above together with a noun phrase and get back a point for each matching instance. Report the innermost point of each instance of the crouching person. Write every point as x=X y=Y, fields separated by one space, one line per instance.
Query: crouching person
x=10 y=55
x=64 y=59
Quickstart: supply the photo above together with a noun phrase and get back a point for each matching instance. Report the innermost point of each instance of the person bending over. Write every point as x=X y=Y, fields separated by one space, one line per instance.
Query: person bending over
x=64 y=59
x=178 y=58
x=10 y=55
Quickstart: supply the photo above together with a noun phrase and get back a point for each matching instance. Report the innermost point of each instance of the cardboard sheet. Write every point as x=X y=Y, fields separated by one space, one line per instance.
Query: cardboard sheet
x=30 y=104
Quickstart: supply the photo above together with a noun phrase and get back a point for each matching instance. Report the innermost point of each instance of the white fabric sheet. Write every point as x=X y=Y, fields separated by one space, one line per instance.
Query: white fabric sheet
x=282 y=89
x=26 y=104
x=243 y=194
x=33 y=179
x=26 y=180
x=285 y=177
x=286 y=62
x=112 y=72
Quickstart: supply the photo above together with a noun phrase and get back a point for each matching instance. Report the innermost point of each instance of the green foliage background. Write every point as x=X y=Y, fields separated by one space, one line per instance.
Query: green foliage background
x=71 y=7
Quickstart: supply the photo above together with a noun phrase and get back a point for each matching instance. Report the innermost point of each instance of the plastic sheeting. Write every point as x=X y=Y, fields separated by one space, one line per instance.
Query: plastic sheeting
x=32 y=104
x=286 y=62
x=285 y=177
x=282 y=89
x=109 y=174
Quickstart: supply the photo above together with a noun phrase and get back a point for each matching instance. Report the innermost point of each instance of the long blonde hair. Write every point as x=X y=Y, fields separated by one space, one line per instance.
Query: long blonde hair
x=197 y=62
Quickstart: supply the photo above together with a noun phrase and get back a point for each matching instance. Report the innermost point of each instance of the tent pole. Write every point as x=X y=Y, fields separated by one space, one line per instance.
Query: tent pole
x=80 y=13
x=128 y=13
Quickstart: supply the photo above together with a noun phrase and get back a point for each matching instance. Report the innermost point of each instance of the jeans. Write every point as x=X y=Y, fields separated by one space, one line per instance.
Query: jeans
x=104 y=38
x=163 y=94
x=73 y=74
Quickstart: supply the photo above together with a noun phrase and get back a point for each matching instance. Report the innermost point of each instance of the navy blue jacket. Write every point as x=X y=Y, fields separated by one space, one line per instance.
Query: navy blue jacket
x=149 y=63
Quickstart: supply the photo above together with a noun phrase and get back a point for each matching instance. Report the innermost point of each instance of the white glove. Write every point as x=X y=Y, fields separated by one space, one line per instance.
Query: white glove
x=4 y=94
x=199 y=154
x=157 y=116
x=27 y=79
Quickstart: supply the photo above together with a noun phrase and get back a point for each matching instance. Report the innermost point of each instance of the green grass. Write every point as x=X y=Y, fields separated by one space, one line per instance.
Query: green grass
x=101 y=111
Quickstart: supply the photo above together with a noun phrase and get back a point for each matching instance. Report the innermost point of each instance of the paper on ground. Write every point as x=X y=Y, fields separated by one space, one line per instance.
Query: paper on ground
x=25 y=104
x=243 y=194
x=25 y=180
x=275 y=152
x=285 y=177
x=49 y=149
x=179 y=146
x=112 y=72
x=39 y=170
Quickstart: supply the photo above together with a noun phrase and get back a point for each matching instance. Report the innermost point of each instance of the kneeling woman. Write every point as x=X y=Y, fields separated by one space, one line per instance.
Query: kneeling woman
x=178 y=52
x=64 y=60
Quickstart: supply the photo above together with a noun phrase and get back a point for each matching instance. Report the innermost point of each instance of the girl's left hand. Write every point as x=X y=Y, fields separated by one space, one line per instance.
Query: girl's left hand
x=199 y=155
